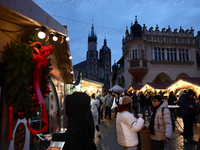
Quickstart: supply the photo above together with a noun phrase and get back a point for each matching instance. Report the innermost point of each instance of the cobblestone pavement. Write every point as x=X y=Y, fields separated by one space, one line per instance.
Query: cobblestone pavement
x=108 y=140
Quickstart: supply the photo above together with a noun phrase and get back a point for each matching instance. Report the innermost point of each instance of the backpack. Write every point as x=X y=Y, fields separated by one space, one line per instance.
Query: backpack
x=172 y=119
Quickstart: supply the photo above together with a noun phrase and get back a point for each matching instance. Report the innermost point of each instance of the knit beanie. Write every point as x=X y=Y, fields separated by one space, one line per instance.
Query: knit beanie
x=158 y=97
x=126 y=100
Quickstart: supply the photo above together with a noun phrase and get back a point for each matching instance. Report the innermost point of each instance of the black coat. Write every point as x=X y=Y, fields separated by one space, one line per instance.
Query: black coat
x=80 y=129
x=172 y=98
x=143 y=100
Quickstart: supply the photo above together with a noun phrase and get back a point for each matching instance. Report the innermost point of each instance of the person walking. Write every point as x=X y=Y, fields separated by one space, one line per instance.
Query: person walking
x=127 y=125
x=143 y=104
x=80 y=126
x=100 y=109
x=135 y=103
x=160 y=124
x=94 y=103
x=187 y=104
x=108 y=103
x=172 y=98
x=115 y=102
x=149 y=103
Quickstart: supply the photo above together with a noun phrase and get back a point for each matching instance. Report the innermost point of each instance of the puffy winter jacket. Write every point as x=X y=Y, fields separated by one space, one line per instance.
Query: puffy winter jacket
x=162 y=123
x=94 y=103
x=127 y=127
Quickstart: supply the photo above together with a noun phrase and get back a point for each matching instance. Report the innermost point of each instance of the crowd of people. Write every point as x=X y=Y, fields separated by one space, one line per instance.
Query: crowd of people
x=130 y=112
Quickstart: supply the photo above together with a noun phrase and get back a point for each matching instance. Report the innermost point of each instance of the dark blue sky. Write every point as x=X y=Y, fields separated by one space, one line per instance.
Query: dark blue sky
x=110 y=18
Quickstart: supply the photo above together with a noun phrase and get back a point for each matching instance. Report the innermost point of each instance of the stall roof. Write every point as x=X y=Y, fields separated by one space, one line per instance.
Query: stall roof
x=92 y=81
x=193 y=80
x=27 y=14
x=159 y=85
x=136 y=87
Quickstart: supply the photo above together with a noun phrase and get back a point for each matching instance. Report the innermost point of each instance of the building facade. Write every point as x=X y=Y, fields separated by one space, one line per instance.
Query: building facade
x=156 y=56
x=96 y=67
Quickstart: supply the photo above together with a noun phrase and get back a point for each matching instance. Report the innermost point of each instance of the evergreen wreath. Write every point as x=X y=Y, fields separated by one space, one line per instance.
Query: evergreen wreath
x=18 y=75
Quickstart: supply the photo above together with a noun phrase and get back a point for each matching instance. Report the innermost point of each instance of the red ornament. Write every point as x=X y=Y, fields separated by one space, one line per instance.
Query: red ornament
x=47 y=85
x=34 y=97
x=20 y=115
x=46 y=70
x=48 y=90
x=31 y=86
x=44 y=95
x=33 y=109
x=46 y=77
x=36 y=104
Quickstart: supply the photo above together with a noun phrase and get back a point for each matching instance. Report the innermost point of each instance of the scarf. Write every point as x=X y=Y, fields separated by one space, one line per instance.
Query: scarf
x=122 y=108
x=151 y=125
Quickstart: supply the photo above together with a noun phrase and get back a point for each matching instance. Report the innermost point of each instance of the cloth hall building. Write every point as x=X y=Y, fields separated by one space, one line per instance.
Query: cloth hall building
x=156 y=56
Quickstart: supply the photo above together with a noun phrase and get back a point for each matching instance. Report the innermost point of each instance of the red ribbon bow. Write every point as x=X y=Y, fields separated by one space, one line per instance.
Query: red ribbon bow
x=40 y=59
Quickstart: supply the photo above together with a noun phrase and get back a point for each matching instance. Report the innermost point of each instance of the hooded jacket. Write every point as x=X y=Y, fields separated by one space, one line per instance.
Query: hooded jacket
x=185 y=103
x=80 y=127
x=162 y=123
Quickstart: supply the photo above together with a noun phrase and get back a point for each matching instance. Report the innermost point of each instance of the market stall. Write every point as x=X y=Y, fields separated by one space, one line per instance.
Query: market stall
x=33 y=87
x=135 y=88
x=117 y=88
x=90 y=86
x=184 y=84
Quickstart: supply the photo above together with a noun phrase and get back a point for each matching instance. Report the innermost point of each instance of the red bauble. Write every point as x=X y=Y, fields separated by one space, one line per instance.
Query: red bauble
x=34 y=97
x=31 y=86
x=47 y=85
x=33 y=109
x=44 y=95
x=48 y=90
x=36 y=104
x=46 y=77
x=20 y=115
x=46 y=70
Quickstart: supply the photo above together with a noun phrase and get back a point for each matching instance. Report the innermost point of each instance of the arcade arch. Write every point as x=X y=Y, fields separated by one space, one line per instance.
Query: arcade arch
x=162 y=78
x=182 y=75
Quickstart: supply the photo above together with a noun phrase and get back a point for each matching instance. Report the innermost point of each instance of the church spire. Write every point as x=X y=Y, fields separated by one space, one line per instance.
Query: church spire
x=92 y=36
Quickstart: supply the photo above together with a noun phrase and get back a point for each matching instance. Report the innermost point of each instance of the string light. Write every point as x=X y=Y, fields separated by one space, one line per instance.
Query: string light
x=58 y=3
x=84 y=25
x=41 y=34
x=55 y=38
x=67 y=38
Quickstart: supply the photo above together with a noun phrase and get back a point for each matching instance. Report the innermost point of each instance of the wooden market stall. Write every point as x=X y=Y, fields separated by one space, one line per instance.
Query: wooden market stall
x=155 y=87
x=135 y=88
x=184 y=84
x=91 y=86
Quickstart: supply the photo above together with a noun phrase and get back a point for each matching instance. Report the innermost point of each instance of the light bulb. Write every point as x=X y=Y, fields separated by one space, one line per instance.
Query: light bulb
x=72 y=72
x=41 y=35
x=70 y=57
x=55 y=38
x=73 y=82
x=67 y=39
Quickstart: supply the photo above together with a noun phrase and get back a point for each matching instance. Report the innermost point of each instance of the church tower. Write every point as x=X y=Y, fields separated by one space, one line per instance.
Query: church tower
x=105 y=60
x=92 y=56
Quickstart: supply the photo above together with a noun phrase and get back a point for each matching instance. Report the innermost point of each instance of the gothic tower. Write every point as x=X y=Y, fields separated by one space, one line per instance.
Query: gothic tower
x=105 y=60
x=92 y=56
